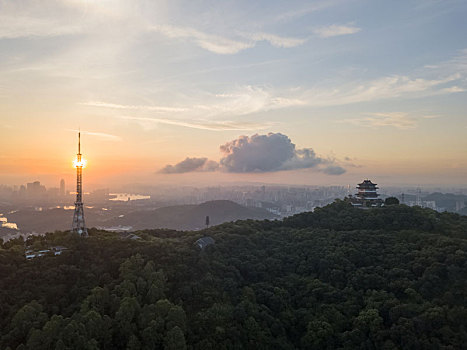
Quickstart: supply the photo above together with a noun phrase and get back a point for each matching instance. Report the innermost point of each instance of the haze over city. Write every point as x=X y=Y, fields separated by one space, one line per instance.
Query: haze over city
x=171 y=92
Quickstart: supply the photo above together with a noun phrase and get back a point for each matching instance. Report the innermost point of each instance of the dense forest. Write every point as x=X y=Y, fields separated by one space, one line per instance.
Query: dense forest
x=337 y=278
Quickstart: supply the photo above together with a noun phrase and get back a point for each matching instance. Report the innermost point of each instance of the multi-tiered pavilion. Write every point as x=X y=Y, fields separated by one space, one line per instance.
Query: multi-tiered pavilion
x=367 y=195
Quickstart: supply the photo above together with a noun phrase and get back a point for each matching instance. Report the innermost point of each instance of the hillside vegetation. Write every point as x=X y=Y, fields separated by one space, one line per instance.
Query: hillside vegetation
x=338 y=278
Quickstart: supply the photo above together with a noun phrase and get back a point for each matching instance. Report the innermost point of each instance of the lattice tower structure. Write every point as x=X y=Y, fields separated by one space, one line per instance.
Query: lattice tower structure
x=78 y=225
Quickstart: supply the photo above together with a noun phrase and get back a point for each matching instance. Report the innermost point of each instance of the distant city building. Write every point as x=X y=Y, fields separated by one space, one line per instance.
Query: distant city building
x=62 y=188
x=35 y=189
x=366 y=196
x=424 y=204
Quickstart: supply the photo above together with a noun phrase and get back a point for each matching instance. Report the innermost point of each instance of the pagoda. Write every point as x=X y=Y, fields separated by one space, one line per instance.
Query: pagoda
x=367 y=195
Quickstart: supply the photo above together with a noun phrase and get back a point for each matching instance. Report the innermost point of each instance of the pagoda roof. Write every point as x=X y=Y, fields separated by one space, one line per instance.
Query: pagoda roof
x=367 y=182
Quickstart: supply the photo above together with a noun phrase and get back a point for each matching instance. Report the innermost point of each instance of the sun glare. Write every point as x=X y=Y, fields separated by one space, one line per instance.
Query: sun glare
x=81 y=163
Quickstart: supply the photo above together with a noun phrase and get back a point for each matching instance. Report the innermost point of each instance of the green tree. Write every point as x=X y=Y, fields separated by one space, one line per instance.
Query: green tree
x=175 y=339
x=29 y=317
x=391 y=201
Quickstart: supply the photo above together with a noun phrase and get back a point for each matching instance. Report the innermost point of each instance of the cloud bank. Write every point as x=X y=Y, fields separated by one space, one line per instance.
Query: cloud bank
x=189 y=165
x=259 y=154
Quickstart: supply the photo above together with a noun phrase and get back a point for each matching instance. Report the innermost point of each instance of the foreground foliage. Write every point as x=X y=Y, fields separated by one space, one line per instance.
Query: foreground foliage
x=340 y=277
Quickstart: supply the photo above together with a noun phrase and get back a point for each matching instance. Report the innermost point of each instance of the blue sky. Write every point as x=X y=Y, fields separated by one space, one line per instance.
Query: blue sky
x=374 y=87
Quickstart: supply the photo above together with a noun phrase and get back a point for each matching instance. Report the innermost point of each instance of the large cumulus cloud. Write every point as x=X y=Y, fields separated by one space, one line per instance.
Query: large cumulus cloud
x=259 y=153
x=272 y=152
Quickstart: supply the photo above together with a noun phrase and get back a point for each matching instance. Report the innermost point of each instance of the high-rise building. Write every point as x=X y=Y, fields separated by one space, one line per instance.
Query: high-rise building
x=62 y=188
x=35 y=189
x=78 y=225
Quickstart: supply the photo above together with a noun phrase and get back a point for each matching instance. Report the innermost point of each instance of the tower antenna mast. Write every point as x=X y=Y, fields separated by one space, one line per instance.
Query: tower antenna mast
x=78 y=226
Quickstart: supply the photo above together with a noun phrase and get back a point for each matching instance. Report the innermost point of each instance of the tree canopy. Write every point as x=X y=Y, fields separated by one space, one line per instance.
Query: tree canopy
x=337 y=278
x=391 y=201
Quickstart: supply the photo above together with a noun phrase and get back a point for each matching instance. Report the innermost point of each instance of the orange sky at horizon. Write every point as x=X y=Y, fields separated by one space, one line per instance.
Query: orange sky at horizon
x=102 y=172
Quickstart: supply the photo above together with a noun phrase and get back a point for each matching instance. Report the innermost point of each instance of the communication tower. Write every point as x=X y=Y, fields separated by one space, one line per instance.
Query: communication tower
x=418 y=198
x=78 y=225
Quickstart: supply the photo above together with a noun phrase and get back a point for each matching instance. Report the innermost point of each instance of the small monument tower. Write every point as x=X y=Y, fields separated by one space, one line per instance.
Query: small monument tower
x=78 y=225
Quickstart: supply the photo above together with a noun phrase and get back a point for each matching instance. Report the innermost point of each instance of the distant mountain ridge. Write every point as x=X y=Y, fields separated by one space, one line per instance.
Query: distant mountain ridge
x=179 y=217
x=192 y=216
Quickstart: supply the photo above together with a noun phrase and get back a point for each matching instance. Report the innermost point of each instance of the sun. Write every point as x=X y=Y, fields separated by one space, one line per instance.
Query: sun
x=79 y=163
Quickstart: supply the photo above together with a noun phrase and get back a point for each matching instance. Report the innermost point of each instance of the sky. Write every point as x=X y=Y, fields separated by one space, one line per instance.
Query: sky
x=205 y=92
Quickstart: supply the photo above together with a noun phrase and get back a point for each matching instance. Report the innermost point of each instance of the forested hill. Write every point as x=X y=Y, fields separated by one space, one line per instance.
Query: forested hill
x=338 y=278
x=343 y=217
x=190 y=217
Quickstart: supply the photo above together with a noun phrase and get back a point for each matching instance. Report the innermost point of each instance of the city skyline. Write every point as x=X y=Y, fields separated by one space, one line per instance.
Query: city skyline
x=167 y=92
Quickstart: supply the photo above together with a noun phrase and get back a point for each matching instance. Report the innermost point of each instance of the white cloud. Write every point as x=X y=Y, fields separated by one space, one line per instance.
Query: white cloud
x=223 y=45
x=246 y=100
x=190 y=165
x=253 y=99
x=241 y=101
x=378 y=89
x=259 y=153
x=210 y=42
x=398 y=120
x=276 y=40
x=162 y=109
x=456 y=65
x=201 y=124
x=98 y=134
x=452 y=89
x=336 y=30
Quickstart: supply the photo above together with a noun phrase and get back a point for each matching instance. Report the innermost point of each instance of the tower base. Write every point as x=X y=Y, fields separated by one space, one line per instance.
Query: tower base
x=78 y=225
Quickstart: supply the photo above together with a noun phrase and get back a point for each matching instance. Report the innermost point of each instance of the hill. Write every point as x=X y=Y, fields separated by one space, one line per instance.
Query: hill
x=190 y=217
x=337 y=278
x=180 y=217
x=449 y=201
